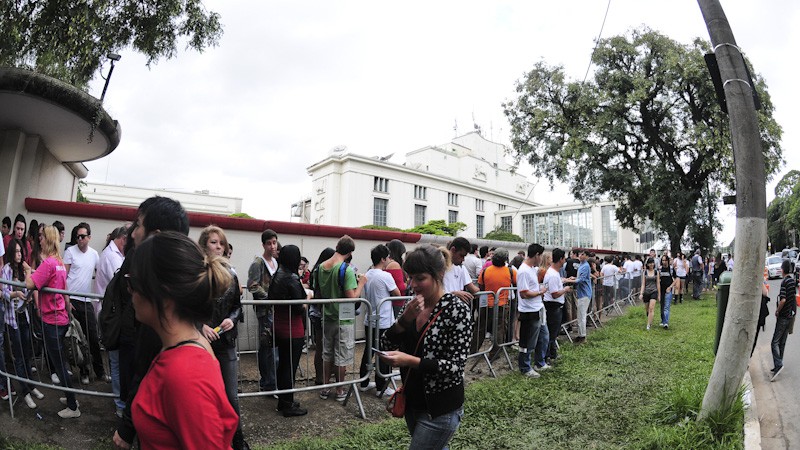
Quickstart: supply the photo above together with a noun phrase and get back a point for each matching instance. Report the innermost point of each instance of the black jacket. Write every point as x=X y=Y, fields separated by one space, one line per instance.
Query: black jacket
x=227 y=306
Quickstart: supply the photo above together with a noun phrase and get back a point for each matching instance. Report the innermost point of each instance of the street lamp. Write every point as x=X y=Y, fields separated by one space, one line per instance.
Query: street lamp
x=114 y=57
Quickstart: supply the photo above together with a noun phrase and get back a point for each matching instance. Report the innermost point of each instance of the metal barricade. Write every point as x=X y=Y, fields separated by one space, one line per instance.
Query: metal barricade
x=480 y=312
x=45 y=357
x=392 y=374
x=508 y=315
x=365 y=311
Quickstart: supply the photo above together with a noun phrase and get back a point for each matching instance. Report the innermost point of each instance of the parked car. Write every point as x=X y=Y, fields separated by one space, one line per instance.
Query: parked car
x=773 y=264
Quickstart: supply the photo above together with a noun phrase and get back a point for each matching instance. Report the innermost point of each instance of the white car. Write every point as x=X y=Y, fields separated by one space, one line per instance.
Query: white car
x=773 y=264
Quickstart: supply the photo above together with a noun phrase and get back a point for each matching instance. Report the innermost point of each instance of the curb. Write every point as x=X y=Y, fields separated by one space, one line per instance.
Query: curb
x=752 y=427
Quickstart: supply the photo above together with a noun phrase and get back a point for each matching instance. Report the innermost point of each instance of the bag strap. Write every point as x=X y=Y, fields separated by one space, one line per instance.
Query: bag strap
x=421 y=336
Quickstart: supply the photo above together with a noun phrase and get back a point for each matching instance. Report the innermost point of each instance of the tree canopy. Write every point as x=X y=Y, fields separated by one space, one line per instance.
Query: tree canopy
x=646 y=131
x=499 y=234
x=439 y=227
x=783 y=213
x=69 y=39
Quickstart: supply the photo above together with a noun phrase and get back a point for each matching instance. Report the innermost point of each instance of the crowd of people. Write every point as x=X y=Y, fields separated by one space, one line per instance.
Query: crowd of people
x=171 y=308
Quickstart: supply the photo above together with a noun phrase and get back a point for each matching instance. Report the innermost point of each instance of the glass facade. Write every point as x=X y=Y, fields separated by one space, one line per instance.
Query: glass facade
x=564 y=229
x=610 y=227
x=479 y=226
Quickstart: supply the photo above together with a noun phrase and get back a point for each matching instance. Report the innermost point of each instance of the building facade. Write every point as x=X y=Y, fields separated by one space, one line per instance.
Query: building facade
x=466 y=180
x=198 y=201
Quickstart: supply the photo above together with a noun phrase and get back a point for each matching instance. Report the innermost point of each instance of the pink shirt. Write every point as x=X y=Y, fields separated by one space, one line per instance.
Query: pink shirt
x=51 y=273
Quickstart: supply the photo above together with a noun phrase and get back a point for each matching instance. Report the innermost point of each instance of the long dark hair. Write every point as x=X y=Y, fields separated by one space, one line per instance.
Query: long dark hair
x=289 y=258
x=17 y=270
x=169 y=265
x=396 y=250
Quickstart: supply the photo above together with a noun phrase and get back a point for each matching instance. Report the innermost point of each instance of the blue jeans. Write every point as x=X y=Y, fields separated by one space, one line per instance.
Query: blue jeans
x=113 y=367
x=542 y=345
x=432 y=433
x=779 y=340
x=666 y=300
x=20 y=340
x=267 y=359
x=530 y=323
x=54 y=344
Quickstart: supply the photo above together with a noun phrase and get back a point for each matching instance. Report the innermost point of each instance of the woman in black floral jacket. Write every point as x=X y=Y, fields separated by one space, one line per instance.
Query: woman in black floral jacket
x=432 y=336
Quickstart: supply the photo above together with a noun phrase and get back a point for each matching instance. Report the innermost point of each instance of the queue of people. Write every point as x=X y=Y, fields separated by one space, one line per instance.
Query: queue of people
x=177 y=307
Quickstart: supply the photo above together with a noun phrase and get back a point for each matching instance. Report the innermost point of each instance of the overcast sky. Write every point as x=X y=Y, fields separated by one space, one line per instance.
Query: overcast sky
x=291 y=80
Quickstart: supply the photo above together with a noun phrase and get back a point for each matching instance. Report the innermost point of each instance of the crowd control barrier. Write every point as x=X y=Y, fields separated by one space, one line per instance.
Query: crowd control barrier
x=483 y=329
x=392 y=374
x=31 y=343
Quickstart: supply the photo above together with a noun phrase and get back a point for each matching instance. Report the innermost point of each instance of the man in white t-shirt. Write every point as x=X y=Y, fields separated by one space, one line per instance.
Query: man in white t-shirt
x=554 y=298
x=457 y=280
x=609 y=278
x=637 y=273
x=80 y=260
x=627 y=277
x=473 y=263
x=380 y=285
x=530 y=308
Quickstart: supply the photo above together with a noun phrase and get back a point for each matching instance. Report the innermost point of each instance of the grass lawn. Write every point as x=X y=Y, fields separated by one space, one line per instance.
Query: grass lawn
x=626 y=388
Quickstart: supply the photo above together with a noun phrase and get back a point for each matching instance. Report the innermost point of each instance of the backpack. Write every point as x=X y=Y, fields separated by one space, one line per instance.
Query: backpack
x=110 y=320
x=76 y=345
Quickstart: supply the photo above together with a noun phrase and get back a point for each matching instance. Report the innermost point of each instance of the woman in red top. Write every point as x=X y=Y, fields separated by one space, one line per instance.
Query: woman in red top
x=289 y=326
x=181 y=402
x=52 y=308
x=395 y=269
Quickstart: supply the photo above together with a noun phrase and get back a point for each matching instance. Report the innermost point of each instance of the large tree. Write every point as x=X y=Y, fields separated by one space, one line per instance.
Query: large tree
x=69 y=39
x=645 y=131
x=783 y=213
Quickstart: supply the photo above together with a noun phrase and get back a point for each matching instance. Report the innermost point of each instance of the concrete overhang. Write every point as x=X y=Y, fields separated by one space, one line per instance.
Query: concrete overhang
x=59 y=113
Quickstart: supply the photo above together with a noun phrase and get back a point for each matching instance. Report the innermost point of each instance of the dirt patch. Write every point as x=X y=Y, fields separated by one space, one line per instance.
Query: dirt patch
x=263 y=425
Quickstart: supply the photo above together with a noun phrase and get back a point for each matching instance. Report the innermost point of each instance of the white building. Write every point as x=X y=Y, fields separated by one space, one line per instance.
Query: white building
x=466 y=180
x=198 y=201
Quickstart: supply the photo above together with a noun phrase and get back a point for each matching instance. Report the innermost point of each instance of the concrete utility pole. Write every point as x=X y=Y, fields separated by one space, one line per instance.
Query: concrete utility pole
x=751 y=217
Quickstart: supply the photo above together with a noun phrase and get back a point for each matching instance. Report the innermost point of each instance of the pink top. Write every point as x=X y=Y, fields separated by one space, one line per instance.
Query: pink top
x=51 y=273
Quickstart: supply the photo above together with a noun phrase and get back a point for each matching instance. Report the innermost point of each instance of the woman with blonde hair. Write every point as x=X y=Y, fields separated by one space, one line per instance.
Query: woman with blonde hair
x=52 y=308
x=221 y=331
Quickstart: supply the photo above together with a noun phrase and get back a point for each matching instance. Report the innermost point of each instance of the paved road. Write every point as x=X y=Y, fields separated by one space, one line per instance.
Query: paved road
x=777 y=402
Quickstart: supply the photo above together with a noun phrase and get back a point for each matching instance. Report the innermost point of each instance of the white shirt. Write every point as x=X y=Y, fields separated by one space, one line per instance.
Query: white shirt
x=456 y=278
x=608 y=271
x=2 y=248
x=637 y=268
x=553 y=281
x=730 y=264
x=629 y=268
x=528 y=280
x=110 y=260
x=379 y=286
x=81 y=270
x=680 y=267
x=473 y=264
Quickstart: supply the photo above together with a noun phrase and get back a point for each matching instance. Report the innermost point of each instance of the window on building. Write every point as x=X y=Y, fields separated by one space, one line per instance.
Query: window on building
x=420 y=193
x=452 y=199
x=380 y=184
x=505 y=223
x=609 y=219
x=379 y=208
x=452 y=216
x=478 y=204
x=419 y=215
x=479 y=226
x=501 y=207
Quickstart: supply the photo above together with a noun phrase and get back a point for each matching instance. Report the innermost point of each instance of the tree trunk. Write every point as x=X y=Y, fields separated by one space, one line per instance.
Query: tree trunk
x=751 y=223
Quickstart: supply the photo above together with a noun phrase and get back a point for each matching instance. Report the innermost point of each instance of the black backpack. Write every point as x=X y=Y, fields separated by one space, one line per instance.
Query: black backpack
x=110 y=320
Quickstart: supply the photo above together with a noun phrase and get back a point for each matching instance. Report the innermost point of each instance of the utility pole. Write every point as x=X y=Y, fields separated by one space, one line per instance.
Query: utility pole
x=751 y=217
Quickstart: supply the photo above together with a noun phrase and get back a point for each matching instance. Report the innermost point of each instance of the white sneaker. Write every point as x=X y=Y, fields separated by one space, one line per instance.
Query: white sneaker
x=84 y=380
x=388 y=392
x=67 y=413
x=54 y=379
x=33 y=369
x=37 y=394
x=367 y=387
x=532 y=374
x=29 y=401
x=545 y=367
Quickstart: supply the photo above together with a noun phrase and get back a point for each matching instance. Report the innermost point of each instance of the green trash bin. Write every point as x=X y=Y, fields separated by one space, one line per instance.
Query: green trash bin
x=723 y=292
